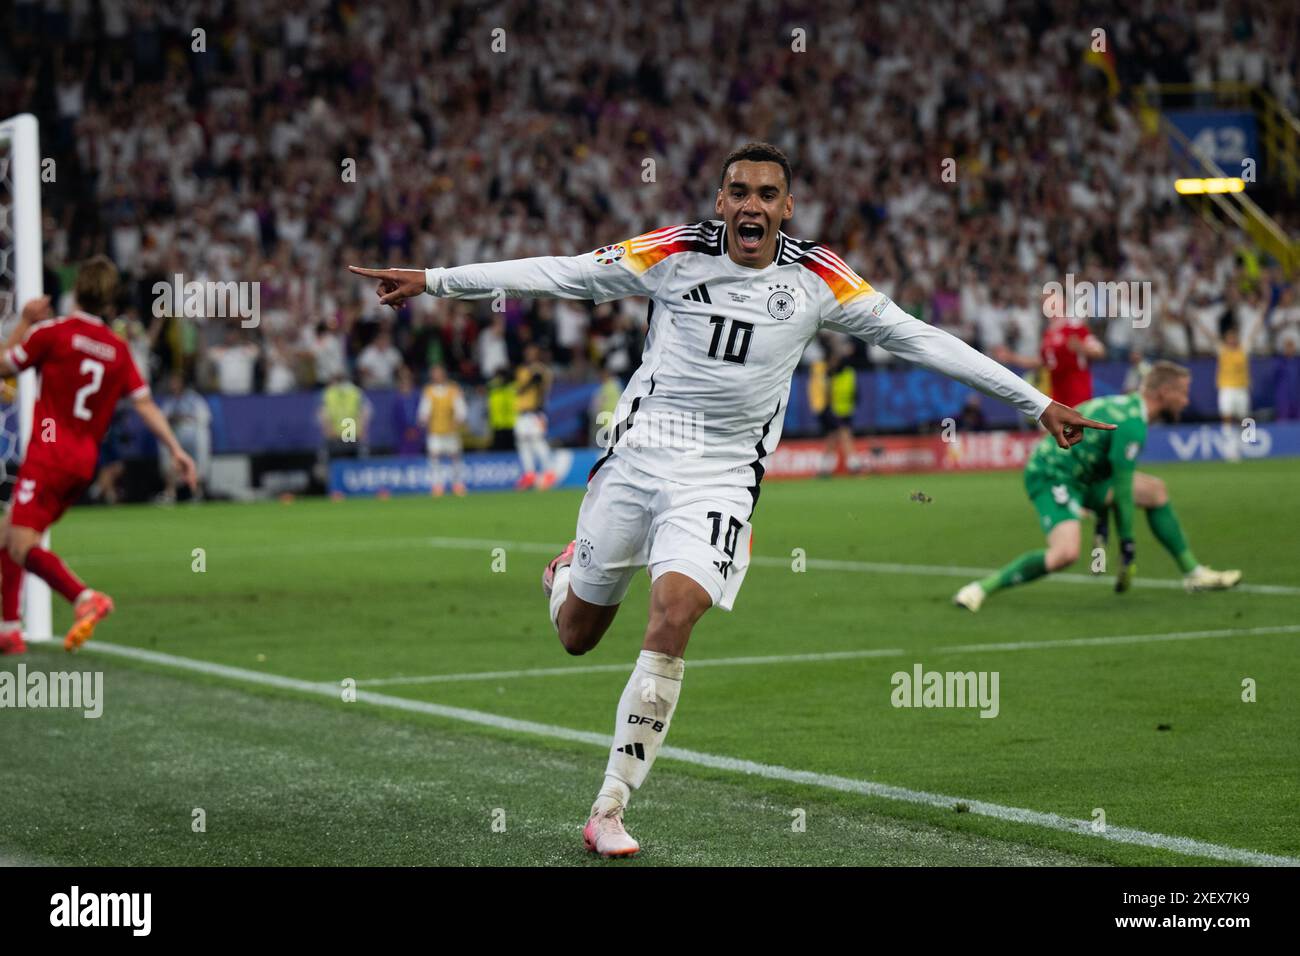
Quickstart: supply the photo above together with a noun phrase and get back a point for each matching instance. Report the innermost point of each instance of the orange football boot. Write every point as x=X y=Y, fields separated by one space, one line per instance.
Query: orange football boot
x=89 y=610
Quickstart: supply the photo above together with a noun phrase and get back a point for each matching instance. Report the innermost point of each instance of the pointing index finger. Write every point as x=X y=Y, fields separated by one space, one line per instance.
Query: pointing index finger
x=371 y=273
x=1089 y=423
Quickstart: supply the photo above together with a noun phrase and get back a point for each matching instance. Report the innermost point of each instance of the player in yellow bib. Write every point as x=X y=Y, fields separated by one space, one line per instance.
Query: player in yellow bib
x=1232 y=378
x=532 y=385
x=442 y=415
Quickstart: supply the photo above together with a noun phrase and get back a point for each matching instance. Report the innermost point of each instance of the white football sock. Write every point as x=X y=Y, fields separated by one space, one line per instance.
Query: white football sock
x=644 y=712
x=559 y=591
x=542 y=453
x=525 y=449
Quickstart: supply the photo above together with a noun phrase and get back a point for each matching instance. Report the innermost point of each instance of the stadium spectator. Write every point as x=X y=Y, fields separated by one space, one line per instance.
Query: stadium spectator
x=225 y=166
x=406 y=408
x=234 y=363
x=379 y=361
x=492 y=351
x=107 y=486
x=601 y=408
x=325 y=346
x=972 y=415
x=280 y=360
x=1138 y=367
x=191 y=420
x=1285 y=318
x=1286 y=382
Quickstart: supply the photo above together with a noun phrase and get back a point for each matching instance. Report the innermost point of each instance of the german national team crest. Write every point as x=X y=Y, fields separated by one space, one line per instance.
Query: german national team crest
x=608 y=255
x=781 y=303
x=584 y=553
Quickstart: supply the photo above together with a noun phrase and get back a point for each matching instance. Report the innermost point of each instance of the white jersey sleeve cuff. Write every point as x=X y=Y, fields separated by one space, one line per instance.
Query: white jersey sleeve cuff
x=433 y=280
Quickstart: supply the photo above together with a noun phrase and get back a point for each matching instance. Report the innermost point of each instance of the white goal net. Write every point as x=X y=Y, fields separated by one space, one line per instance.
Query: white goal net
x=20 y=279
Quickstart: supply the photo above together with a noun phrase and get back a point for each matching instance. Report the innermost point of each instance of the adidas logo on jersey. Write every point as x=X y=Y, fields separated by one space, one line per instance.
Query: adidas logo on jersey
x=699 y=294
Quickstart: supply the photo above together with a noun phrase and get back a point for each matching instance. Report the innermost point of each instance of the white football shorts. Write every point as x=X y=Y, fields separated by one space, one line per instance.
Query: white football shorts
x=1234 y=403
x=442 y=445
x=630 y=520
x=530 y=425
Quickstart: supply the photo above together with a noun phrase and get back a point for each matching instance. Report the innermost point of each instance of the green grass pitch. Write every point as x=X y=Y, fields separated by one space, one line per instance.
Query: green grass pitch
x=295 y=598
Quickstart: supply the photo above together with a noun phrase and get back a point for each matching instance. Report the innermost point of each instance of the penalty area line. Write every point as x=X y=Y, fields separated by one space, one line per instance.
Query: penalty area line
x=1185 y=846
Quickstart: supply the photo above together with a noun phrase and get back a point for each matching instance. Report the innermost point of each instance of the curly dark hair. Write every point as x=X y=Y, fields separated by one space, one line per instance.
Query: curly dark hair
x=757 y=153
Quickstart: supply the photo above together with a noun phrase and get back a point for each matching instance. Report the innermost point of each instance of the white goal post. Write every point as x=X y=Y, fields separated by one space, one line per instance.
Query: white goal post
x=21 y=279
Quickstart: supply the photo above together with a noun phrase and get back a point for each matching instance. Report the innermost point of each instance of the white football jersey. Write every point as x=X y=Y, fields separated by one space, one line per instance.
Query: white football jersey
x=708 y=403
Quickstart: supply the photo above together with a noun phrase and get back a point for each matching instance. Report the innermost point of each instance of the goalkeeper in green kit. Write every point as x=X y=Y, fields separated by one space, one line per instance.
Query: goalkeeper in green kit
x=1099 y=475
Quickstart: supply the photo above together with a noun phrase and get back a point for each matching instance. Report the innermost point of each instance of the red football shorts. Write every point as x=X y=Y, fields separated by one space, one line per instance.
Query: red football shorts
x=42 y=495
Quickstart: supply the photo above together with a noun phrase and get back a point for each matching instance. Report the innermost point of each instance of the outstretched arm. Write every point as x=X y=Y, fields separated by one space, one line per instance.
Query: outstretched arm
x=632 y=267
x=557 y=277
x=872 y=316
x=34 y=311
x=156 y=422
x=1008 y=357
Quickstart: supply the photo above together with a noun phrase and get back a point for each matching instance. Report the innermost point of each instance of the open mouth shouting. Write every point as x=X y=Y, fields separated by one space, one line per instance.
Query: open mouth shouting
x=750 y=235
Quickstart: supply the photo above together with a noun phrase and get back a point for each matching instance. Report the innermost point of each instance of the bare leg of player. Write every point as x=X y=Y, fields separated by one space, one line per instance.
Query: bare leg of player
x=22 y=546
x=1061 y=552
x=846 y=450
x=1063 y=546
x=11 y=588
x=1231 y=430
x=646 y=709
x=458 y=475
x=830 y=460
x=542 y=453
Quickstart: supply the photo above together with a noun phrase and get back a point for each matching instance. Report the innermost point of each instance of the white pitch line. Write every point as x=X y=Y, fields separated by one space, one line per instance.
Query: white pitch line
x=551 y=549
x=1051 y=821
x=1124 y=639
x=608 y=668
x=694 y=663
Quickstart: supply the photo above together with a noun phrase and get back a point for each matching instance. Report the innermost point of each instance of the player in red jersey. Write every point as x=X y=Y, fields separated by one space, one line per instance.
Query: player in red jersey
x=1065 y=353
x=85 y=370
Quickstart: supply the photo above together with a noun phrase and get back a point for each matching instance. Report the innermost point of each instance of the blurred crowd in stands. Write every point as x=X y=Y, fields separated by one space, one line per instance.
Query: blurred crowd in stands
x=276 y=142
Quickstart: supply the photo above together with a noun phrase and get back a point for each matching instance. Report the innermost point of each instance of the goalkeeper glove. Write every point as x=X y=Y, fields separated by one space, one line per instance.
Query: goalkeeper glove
x=1100 y=538
x=1127 y=552
x=1102 y=533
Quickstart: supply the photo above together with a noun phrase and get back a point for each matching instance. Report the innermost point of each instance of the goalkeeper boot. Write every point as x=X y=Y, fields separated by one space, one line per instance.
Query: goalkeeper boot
x=561 y=560
x=604 y=834
x=1202 y=578
x=971 y=597
x=90 y=609
x=11 y=641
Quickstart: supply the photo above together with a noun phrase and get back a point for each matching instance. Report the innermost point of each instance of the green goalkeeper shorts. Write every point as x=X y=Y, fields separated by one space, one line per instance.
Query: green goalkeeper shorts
x=1057 y=501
